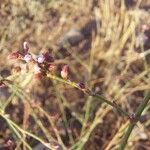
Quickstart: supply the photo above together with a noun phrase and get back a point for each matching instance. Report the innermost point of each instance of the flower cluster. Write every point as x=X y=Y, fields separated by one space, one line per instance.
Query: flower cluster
x=42 y=63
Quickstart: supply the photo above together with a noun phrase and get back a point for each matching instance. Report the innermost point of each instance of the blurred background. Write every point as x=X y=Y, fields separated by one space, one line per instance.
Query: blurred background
x=105 y=43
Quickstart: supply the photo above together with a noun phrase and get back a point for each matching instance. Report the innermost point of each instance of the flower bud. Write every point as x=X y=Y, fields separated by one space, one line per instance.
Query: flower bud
x=28 y=57
x=14 y=55
x=48 y=57
x=81 y=85
x=52 y=67
x=25 y=47
x=64 y=72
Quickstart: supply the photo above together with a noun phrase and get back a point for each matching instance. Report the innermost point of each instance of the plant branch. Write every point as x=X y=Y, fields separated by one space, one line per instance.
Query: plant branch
x=90 y=93
x=134 y=121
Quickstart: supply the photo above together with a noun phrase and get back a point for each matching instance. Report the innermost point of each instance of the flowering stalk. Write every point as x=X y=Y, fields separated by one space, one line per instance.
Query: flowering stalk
x=43 y=66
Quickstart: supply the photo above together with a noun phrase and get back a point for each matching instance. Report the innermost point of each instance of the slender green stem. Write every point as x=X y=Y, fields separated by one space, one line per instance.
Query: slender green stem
x=73 y=84
x=113 y=104
x=133 y=123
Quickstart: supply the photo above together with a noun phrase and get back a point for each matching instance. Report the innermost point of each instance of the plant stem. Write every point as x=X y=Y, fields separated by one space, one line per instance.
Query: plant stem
x=133 y=123
x=113 y=104
x=90 y=93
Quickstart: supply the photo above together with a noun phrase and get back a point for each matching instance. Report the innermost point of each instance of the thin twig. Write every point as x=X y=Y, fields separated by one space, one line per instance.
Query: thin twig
x=90 y=93
x=134 y=121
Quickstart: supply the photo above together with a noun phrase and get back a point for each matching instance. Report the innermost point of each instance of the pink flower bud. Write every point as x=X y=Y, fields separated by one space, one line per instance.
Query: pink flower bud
x=81 y=85
x=52 y=67
x=25 y=47
x=48 y=57
x=14 y=55
x=41 y=59
x=28 y=57
x=64 y=72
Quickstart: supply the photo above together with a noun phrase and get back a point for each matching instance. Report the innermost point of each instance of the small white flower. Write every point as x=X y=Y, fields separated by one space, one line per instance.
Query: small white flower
x=28 y=57
x=41 y=59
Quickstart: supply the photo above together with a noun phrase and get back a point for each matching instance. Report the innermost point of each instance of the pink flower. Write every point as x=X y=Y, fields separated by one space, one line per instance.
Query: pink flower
x=41 y=59
x=28 y=57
